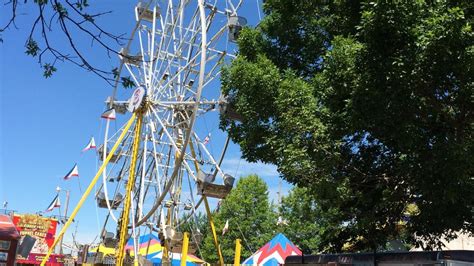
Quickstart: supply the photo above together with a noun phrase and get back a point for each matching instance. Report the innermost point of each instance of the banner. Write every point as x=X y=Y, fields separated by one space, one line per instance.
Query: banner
x=43 y=229
x=54 y=259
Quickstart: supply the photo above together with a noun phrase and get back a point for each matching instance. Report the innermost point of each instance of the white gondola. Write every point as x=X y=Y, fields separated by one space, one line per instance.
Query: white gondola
x=114 y=157
x=235 y=24
x=145 y=13
x=120 y=107
x=188 y=207
x=227 y=108
x=175 y=240
x=129 y=59
x=114 y=204
x=109 y=239
x=209 y=189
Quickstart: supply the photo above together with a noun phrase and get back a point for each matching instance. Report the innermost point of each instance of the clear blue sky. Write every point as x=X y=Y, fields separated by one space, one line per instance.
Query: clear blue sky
x=44 y=123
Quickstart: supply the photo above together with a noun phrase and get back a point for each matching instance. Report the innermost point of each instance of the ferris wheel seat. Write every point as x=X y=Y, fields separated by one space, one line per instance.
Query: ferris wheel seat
x=120 y=107
x=188 y=207
x=177 y=246
x=114 y=204
x=213 y=190
x=114 y=157
x=227 y=108
x=235 y=24
x=109 y=239
x=134 y=60
x=144 y=13
x=168 y=204
x=205 y=177
x=175 y=239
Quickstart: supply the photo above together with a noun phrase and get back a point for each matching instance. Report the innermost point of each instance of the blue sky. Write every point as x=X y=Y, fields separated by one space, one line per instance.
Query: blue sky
x=45 y=123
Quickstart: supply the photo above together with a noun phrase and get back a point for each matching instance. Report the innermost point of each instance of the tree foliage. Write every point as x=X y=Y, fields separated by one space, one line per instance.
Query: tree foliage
x=251 y=219
x=301 y=220
x=368 y=104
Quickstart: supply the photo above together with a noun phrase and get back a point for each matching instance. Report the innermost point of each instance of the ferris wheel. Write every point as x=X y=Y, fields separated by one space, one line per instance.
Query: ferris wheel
x=158 y=168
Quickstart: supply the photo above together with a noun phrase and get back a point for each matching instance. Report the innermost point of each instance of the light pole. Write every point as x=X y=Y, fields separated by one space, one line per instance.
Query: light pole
x=5 y=206
x=58 y=189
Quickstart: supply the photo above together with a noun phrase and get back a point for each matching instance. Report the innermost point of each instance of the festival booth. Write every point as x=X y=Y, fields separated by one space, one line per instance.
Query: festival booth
x=9 y=238
x=37 y=236
x=274 y=252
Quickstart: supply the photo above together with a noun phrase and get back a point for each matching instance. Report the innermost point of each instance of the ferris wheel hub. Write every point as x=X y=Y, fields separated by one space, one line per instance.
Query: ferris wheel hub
x=137 y=99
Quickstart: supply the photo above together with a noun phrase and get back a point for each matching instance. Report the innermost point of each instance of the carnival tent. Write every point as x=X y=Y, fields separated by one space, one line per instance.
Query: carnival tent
x=147 y=245
x=274 y=252
x=175 y=259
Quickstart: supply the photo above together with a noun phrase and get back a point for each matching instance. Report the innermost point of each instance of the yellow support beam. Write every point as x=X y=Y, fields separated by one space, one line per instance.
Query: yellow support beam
x=184 y=252
x=88 y=190
x=165 y=261
x=208 y=211
x=193 y=153
x=128 y=196
x=213 y=230
x=238 y=248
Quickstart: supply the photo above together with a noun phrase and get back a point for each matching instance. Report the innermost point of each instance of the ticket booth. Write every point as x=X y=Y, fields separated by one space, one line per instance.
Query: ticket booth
x=9 y=238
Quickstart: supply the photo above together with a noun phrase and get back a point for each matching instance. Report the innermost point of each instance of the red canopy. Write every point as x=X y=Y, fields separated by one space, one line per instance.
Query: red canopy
x=7 y=229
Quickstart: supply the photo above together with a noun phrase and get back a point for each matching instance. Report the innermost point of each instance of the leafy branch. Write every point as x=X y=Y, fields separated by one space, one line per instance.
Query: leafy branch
x=74 y=22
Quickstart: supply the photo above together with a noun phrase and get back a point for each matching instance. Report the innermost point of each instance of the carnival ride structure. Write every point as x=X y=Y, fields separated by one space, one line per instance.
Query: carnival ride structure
x=157 y=169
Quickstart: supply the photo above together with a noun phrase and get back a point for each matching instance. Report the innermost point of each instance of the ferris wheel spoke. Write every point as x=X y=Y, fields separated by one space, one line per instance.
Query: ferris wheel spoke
x=132 y=74
x=173 y=25
x=143 y=54
x=180 y=45
x=158 y=178
x=175 y=146
x=152 y=46
x=214 y=163
x=142 y=179
x=185 y=68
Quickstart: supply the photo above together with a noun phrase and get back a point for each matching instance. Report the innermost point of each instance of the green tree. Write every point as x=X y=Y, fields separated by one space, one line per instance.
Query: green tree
x=300 y=220
x=368 y=104
x=250 y=217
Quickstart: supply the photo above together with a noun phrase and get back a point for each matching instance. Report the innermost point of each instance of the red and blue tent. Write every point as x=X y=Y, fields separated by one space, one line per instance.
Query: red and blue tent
x=274 y=252
x=149 y=246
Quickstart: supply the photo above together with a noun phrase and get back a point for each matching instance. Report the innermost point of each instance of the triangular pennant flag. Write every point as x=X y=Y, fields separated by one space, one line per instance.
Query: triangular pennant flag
x=55 y=203
x=74 y=172
x=226 y=227
x=90 y=145
x=282 y=221
x=109 y=114
x=207 y=139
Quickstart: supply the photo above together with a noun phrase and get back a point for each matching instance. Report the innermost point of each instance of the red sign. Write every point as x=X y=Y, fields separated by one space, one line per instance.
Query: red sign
x=41 y=228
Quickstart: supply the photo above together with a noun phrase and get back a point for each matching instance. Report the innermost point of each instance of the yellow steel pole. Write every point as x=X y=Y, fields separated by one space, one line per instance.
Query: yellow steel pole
x=165 y=258
x=208 y=210
x=88 y=190
x=238 y=247
x=213 y=229
x=128 y=198
x=184 y=252
x=193 y=153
